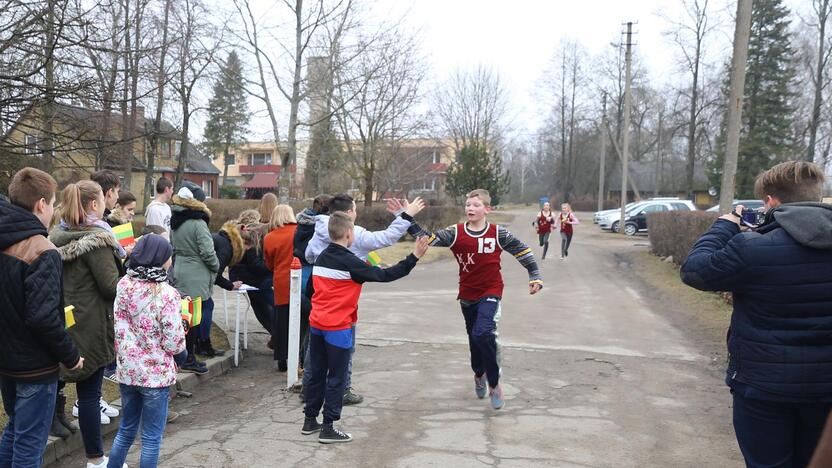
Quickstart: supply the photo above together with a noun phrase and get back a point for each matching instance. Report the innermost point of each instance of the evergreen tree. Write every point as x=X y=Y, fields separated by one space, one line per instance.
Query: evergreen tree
x=476 y=168
x=766 y=136
x=227 y=111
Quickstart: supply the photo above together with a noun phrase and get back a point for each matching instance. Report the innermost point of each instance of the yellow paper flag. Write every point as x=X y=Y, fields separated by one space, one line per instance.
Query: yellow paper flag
x=69 y=316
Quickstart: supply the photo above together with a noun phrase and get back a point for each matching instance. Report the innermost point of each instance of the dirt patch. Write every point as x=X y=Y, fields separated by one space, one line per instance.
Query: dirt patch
x=703 y=315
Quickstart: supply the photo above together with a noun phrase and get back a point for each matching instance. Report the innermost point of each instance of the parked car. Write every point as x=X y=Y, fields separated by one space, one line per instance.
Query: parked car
x=748 y=204
x=600 y=214
x=609 y=219
x=636 y=217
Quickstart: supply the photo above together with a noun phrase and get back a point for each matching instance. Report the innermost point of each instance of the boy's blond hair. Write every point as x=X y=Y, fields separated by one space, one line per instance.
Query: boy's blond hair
x=482 y=194
x=791 y=181
x=339 y=224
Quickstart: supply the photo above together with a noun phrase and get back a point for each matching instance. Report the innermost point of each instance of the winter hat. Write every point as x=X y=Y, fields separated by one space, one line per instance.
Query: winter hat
x=152 y=250
x=191 y=191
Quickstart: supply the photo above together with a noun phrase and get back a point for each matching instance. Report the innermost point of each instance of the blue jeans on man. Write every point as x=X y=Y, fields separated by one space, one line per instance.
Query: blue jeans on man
x=30 y=407
x=145 y=407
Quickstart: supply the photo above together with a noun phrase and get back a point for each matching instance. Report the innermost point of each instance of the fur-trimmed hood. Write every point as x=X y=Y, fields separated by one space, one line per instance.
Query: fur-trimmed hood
x=117 y=217
x=184 y=209
x=306 y=217
x=232 y=231
x=73 y=244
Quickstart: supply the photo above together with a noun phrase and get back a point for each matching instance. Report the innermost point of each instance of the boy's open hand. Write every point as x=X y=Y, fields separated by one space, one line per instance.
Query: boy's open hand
x=421 y=246
x=79 y=365
x=394 y=205
x=535 y=287
x=413 y=208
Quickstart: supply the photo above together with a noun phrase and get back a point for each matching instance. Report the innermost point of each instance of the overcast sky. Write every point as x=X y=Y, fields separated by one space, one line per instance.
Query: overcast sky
x=519 y=38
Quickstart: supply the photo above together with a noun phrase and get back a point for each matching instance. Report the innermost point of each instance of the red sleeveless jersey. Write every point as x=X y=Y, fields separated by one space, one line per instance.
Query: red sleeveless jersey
x=479 y=263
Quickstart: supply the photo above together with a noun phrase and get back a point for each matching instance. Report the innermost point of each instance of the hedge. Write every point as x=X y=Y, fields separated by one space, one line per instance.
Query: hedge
x=674 y=233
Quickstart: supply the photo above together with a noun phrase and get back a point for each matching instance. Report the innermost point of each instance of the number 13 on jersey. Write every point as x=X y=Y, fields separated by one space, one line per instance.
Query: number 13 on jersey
x=486 y=245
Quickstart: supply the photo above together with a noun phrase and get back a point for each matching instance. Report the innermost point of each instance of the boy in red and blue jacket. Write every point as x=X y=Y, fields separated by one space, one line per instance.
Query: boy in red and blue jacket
x=337 y=279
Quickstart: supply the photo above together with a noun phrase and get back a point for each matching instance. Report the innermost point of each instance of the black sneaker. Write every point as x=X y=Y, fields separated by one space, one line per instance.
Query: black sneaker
x=310 y=426
x=330 y=435
x=352 y=398
x=195 y=367
x=282 y=366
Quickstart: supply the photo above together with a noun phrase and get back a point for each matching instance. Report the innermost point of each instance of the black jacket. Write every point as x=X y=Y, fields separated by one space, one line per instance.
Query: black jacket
x=303 y=234
x=780 y=340
x=33 y=340
x=228 y=245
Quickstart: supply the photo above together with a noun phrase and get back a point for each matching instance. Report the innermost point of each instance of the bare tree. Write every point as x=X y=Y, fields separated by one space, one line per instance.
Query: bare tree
x=375 y=112
x=162 y=77
x=819 y=73
x=194 y=52
x=689 y=34
x=470 y=106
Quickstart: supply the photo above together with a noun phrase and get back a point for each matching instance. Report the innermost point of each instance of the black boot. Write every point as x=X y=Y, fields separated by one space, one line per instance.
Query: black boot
x=204 y=348
x=310 y=426
x=60 y=412
x=57 y=429
x=330 y=435
x=282 y=365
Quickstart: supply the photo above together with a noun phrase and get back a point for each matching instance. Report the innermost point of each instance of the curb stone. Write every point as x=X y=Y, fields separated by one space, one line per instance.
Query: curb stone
x=57 y=448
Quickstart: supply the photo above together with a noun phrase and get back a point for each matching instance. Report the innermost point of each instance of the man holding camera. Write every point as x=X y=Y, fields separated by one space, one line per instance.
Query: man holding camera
x=780 y=339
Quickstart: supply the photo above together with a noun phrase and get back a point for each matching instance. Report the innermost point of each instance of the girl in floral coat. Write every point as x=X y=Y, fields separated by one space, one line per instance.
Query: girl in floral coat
x=149 y=341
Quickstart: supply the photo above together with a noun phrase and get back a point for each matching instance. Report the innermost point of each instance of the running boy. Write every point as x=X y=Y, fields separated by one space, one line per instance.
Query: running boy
x=477 y=245
x=337 y=278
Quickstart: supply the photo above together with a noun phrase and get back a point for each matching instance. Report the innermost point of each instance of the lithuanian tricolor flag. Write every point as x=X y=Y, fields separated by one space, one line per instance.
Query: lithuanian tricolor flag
x=192 y=311
x=124 y=234
x=373 y=259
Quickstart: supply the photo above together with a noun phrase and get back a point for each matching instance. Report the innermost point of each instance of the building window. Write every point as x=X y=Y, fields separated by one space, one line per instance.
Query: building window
x=230 y=159
x=164 y=149
x=259 y=159
x=208 y=187
x=437 y=158
x=177 y=148
x=428 y=183
x=32 y=145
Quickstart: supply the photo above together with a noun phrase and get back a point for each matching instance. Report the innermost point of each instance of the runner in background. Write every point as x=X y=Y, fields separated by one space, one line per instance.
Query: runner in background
x=543 y=223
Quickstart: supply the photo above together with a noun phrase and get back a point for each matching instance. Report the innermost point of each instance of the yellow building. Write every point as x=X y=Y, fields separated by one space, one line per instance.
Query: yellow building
x=81 y=146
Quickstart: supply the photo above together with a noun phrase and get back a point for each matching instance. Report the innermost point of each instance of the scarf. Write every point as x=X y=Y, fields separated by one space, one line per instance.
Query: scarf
x=144 y=273
x=94 y=221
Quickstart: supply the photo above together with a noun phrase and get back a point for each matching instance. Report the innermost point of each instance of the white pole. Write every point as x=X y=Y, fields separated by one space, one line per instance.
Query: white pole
x=294 y=323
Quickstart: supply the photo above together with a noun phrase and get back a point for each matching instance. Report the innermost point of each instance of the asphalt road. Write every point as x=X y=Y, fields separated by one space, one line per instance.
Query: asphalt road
x=594 y=375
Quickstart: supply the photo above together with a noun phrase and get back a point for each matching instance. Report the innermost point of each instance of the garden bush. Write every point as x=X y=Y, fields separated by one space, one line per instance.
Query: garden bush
x=377 y=218
x=674 y=233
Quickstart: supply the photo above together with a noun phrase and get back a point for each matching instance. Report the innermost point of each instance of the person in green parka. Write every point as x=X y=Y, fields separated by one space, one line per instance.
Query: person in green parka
x=92 y=265
x=195 y=263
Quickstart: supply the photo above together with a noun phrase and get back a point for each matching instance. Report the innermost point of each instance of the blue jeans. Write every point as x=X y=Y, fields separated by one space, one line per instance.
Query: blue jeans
x=778 y=434
x=30 y=407
x=204 y=329
x=89 y=413
x=145 y=406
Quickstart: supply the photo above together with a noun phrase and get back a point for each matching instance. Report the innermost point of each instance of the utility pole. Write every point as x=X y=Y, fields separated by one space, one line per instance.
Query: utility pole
x=602 y=170
x=625 y=133
x=659 y=154
x=742 y=32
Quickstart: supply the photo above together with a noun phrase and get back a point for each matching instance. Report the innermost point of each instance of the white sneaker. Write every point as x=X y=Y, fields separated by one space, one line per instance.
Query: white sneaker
x=103 y=464
x=109 y=410
x=104 y=418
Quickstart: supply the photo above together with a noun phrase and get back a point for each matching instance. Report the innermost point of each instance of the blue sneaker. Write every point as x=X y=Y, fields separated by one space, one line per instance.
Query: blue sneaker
x=496 y=394
x=480 y=386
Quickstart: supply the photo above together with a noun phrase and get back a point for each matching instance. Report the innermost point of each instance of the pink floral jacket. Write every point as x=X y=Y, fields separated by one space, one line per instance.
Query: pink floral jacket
x=149 y=333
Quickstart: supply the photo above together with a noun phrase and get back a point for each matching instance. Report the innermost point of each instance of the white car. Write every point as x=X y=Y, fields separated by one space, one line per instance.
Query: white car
x=612 y=221
x=600 y=214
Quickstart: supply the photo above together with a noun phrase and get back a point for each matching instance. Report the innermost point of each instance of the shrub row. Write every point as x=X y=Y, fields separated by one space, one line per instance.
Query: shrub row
x=674 y=233
x=376 y=217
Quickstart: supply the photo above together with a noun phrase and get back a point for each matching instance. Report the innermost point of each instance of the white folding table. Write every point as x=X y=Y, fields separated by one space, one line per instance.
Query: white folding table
x=237 y=293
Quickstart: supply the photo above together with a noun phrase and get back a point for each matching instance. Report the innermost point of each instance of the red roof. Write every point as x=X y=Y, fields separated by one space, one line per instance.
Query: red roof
x=262 y=180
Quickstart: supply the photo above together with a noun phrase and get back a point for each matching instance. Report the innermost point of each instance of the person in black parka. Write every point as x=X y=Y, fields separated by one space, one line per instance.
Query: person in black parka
x=780 y=339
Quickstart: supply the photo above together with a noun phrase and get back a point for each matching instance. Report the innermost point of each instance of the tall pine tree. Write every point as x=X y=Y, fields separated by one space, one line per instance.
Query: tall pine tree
x=227 y=111
x=766 y=136
x=476 y=168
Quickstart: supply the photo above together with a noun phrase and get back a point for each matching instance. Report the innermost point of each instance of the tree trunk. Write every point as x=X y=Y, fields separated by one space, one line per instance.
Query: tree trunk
x=161 y=79
x=692 y=118
x=289 y=157
x=817 y=102
x=734 y=117
x=225 y=164
x=48 y=111
x=657 y=188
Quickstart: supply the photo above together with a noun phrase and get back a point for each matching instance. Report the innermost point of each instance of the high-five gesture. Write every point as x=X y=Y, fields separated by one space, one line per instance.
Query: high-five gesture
x=421 y=246
x=413 y=208
x=394 y=205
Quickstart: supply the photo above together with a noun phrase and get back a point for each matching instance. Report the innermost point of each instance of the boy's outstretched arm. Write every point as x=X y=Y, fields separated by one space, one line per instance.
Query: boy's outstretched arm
x=361 y=272
x=441 y=238
x=367 y=241
x=524 y=255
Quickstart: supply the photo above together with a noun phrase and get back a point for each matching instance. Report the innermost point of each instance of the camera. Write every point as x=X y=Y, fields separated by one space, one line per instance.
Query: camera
x=753 y=218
